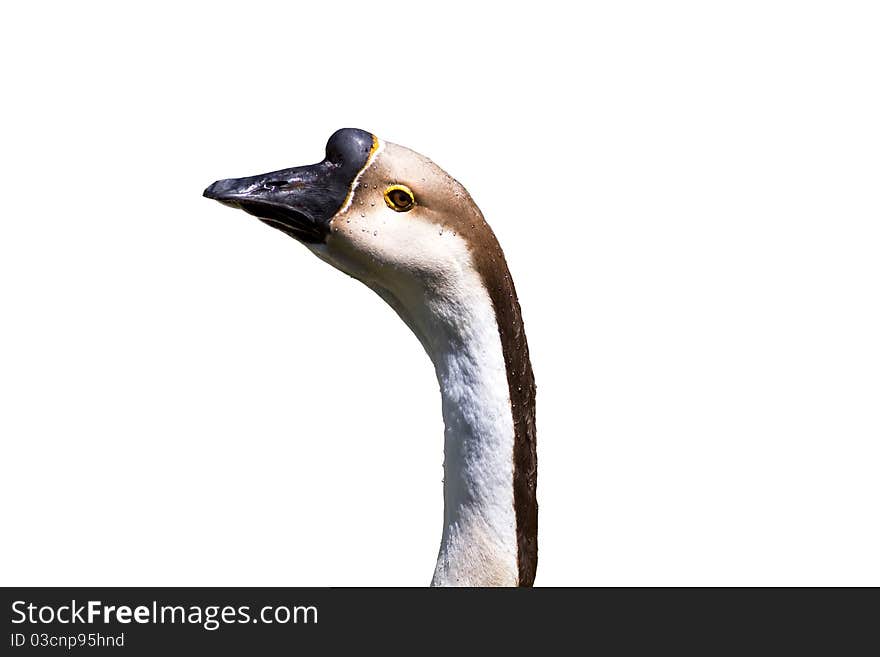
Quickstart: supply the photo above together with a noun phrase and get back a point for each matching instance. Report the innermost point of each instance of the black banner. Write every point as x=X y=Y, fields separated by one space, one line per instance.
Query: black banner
x=270 y=621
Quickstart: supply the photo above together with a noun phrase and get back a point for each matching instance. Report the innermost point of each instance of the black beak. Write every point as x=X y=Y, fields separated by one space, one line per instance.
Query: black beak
x=301 y=201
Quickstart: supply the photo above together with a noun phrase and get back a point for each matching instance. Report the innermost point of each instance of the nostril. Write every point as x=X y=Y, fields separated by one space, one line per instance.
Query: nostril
x=275 y=183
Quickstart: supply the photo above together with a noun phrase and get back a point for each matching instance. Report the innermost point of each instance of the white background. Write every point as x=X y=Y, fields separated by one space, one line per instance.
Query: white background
x=687 y=195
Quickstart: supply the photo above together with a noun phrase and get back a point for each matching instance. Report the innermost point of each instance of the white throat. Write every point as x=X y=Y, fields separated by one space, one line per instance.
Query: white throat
x=460 y=334
x=455 y=321
x=479 y=523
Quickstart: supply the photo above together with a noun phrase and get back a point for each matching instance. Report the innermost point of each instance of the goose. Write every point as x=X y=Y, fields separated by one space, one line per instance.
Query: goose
x=392 y=219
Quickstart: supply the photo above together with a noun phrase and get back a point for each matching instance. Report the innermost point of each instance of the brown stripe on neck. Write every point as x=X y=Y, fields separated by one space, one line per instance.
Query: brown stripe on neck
x=489 y=261
x=521 y=384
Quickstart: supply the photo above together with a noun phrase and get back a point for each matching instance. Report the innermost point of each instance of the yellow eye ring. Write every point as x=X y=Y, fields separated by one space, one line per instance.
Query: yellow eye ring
x=399 y=198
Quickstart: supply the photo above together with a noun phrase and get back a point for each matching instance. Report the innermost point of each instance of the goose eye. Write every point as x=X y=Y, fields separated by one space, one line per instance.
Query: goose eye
x=399 y=198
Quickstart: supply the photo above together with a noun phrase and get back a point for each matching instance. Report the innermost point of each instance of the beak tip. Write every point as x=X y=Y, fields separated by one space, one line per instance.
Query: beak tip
x=211 y=191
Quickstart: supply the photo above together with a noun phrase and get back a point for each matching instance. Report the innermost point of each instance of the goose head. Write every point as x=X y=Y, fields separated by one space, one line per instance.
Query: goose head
x=394 y=220
x=380 y=212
